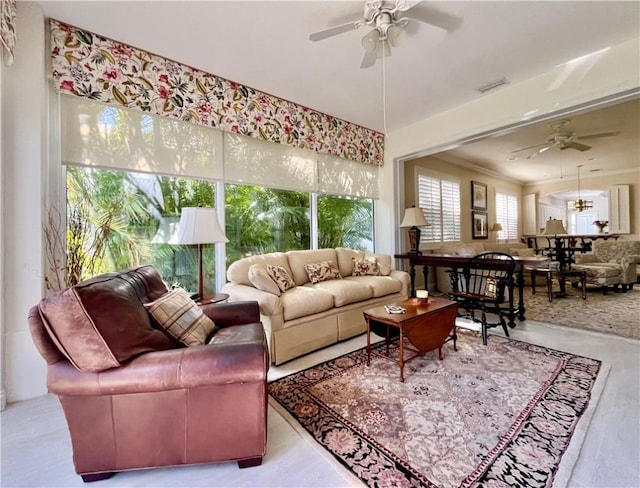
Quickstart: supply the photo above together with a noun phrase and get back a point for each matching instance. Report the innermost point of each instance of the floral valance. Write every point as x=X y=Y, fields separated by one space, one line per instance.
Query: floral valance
x=91 y=66
x=8 y=29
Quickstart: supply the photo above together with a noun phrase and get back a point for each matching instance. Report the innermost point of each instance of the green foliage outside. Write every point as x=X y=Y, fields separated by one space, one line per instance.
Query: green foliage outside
x=113 y=217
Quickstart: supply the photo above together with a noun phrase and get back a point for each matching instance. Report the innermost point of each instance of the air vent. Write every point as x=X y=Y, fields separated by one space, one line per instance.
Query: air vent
x=492 y=85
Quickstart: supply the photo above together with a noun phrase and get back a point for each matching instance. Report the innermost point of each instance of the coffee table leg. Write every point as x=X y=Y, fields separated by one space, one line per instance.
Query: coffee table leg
x=583 y=281
x=549 y=287
x=401 y=355
x=368 y=343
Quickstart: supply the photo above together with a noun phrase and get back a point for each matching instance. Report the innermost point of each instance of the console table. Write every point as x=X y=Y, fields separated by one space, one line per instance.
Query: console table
x=455 y=262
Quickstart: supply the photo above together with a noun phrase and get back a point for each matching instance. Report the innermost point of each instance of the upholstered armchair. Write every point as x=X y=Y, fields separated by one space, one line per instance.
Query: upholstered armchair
x=136 y=396
x=610 y=263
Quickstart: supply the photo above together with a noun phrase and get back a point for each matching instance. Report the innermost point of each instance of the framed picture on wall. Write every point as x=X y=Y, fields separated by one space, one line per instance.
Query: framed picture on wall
x=478 y=196
x=479 y=222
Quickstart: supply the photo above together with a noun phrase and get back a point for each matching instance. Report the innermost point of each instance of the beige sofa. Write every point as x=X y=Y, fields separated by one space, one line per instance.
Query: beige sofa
x=443 y=283
x=311 y=316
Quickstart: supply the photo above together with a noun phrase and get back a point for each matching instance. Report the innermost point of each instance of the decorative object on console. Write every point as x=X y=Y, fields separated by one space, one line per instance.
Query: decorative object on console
x=479 y=225
x=414 y=218
x=601 y=224
x=579 y=205
x=199 y=225
x=478 y=195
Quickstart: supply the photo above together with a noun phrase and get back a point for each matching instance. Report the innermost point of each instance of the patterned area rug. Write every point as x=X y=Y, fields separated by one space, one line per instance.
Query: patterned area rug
x=615 y=313
x=494 y=416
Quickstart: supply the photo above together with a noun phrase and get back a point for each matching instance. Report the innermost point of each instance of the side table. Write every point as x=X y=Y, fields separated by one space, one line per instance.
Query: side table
x=215 y=298
x=561 y=276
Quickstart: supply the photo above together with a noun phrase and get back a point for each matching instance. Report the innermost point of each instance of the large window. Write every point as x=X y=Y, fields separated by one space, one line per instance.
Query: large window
x=507 y=215
x=119 y=219
x=439 y=198
x=122 y=211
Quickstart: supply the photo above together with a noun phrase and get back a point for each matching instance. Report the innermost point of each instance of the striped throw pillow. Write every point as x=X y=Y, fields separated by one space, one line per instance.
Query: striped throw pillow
x=176 y=313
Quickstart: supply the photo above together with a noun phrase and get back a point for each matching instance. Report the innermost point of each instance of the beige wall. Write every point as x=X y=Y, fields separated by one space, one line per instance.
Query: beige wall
x=613 y=71
x=599 y=182
x=465 y=176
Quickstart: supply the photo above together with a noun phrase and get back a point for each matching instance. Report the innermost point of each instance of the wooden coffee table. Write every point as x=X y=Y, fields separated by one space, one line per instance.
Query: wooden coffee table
x=426 y=326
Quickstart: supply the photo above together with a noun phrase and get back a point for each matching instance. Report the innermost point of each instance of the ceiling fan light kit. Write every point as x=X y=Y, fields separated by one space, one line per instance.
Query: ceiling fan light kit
x=387 y=19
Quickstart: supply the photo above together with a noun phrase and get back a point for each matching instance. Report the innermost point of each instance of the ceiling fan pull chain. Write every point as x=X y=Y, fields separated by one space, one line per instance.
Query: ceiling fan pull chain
x=384 y=92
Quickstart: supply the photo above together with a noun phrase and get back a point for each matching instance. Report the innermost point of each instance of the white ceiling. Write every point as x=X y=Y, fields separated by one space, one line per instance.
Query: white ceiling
x=264 y=44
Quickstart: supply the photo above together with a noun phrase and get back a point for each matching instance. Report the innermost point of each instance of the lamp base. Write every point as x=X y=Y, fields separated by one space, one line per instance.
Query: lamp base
x=414 y=241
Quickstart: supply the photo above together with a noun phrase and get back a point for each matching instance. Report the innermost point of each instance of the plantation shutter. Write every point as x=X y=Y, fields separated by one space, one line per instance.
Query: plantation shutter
x=439 y=200
x=507 y=215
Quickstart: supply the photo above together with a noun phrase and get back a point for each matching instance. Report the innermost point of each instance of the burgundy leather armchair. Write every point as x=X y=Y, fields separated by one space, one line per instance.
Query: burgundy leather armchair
x=165 y=405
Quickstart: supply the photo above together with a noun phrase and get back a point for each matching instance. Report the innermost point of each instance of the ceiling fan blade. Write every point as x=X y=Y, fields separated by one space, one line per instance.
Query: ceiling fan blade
x=334 y=31
x=370 y=41
x=428 y=15
x=368 y=60
x=601 y=134
x=529 y=147
x=575 y=145
x=539 y=151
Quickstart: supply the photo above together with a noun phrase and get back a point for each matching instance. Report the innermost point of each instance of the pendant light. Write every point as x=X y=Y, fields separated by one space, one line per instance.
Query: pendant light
x=579 y=205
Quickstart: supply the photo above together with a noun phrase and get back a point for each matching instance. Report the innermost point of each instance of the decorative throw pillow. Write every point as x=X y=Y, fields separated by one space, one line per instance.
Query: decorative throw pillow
x=259 y=278
x=491 y=287
x=322 y=271
x=281 y=276
x=365 y=267
x=176 y=313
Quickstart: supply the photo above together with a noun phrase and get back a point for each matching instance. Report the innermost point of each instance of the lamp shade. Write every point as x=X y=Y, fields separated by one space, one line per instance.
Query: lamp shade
x=198 y=225
x=554 y=227
x=413 y=217
x=497 y=227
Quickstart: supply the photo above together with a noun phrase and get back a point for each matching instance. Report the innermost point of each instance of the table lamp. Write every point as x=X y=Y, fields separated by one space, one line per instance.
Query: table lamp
x=414 y=218
x=497 y=227
x=199 y=225
x=554 y=227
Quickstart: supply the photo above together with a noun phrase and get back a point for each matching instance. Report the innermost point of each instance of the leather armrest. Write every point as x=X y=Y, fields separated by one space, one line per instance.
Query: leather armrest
x=243 y=361
x=232 y=313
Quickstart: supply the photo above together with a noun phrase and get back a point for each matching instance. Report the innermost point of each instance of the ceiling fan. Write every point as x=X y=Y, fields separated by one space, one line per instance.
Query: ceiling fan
x=387 y=19
x=564 y=140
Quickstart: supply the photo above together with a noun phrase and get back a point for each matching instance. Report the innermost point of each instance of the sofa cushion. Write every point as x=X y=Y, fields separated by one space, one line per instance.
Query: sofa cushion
x=101 y=323
x=281 y=277
x=365 y=267
x=238 y=271
x=302 y=301
x=297 y=260
x=345 y=259
x=176 y=313
x=345 y=291
x=259 y=278
x=522 y=252
x=384 y=262
x=379 y=285
x=322 y=271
